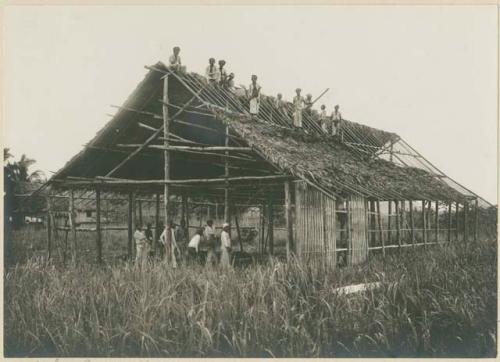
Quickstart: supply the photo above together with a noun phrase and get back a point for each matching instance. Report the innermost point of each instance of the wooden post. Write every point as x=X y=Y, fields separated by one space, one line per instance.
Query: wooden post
x=457 y=208
x=288 y=217
x=157 y=224
x=349 y=233
x=49 y=227
x=389 y=216
x=227 y=217
x=449 y=223
x=412 y=224
x=185 y=212
x=437 y=221
x=140 y=212
x=270 y=226
x=240 y=240
x=424 y=222
x=130 y=224
x=98 y=224
x=466 y=226
x=262 y=227
x=373 y=235
x=476 y=219
x=72 y=219
x=381 y=232
x=169 y=250
x=398 y=224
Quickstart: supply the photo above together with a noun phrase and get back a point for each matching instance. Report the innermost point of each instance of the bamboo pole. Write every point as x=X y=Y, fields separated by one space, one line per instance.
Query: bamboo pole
x=49 y=228
x=349 y=233
x=437 y=221
x=398 y=224
x=412 y=224
x=288 y=217
x=457 y=208
x=380 y=230
x=140 y=213
x=240 y=240
x=226 y=175
x=389 y=217
x=185 y=212
x=262 y=228
x=169 y=250
x=188 y=148
x=424 y=221
x=449 y=222
x=98 y=225
x=270 y=225
x=73 y=224
x=130 y=223
x=476 y=219
x=157 y=224
x=373 y=235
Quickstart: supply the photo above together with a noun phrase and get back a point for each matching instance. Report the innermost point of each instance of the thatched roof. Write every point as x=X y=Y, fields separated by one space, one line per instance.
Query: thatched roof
x=339 y=168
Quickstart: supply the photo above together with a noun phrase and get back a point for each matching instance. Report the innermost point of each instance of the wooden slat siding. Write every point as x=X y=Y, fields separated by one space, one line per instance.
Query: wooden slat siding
x=437 y=221
x=476 y=219
x=359 y=242
x=412 y=224
x=449 y=222
x=457 y=209
x=373 y=223
x=298 y=235
x=424 y=223
x=330 y=232
x=380 y=228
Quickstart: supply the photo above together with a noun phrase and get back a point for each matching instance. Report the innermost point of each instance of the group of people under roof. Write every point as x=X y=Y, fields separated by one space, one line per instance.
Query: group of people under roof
x=217 y=75
x=201 y=248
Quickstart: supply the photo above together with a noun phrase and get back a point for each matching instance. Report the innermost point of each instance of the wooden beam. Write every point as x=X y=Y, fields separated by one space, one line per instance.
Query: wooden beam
x=412 y=224
x=169 y=251
x=380 y=229
x=98 y=225
x=288 y=217
x=103 y=180
x=130 y=224
x=188 y=148
x=157 y=224
x=226 y=176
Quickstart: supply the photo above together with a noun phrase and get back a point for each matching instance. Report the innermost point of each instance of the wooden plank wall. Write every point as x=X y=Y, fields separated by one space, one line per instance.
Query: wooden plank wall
x=315 y=226
x=358 y=227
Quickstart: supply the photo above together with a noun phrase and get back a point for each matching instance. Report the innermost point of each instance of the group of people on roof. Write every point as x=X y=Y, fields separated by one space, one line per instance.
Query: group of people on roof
x=216 y=75
x=201 y=248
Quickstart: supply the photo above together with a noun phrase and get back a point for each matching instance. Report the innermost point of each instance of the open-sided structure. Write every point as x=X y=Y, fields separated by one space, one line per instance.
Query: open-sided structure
x=342 y=197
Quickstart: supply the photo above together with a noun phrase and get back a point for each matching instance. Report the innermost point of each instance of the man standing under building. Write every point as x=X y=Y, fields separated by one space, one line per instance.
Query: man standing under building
x=209 y=235
x=225 y=246
x=298 y=105
x=212 y=72
x=141 y=245
x=254 y=96
x=175 y=60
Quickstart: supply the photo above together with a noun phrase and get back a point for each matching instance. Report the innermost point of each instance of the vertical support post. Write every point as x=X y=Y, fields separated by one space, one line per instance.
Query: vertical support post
x=270 y=226
x=457 y=223
x=130 y=224
x=98 y=224
x=349 y=233
x=262 y=227
x=227 y=217
x=72 y=220
x=437 y=222
x=49 y=227
x=389 y=224
x=373 y=230
x=466 y=216
x=476 y=218
x=157 y=224
x=449 y=223
x=185 y=213
x=140 y=212
x=169 y=250
x=235 y=212
x=398 y=224
x=424 y=222
x=412 y=224
x=288 y=217
x=380 y=230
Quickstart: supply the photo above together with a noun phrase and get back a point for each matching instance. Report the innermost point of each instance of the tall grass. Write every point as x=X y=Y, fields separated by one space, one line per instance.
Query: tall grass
x=437 y=302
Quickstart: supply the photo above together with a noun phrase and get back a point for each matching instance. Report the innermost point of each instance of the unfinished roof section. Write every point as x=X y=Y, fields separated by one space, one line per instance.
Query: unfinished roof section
x=368 y=162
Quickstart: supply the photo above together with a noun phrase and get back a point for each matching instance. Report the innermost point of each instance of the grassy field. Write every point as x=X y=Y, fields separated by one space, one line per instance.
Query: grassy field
x=439 y=302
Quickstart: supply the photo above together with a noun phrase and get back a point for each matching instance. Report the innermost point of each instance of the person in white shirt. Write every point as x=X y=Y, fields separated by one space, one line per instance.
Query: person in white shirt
x=225 y=247
x=175 y=60
x=209 y=234
x=142 y=247
x=212 y=73
x=254 y=96
x=298 y=104
x=323 y=119
x=194 y=244
x=336 y=118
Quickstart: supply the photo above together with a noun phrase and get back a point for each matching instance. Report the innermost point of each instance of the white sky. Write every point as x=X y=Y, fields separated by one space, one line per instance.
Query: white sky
x=428 y=73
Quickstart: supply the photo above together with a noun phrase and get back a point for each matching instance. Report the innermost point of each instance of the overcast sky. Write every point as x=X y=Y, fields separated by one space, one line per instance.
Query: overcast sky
x=426 y=73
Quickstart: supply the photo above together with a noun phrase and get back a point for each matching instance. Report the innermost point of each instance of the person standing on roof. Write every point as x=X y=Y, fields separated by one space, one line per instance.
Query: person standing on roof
x=254 y=96
x=336 y=118
x=324 y=119
x=222 y=73
x=298 y=105
x=229 y=84
x=280 y=104
x=308 y=103
x=175 y=60
x=212 y=72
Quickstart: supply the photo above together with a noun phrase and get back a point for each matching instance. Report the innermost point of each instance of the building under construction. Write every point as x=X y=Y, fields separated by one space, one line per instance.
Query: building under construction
x=178 y=141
